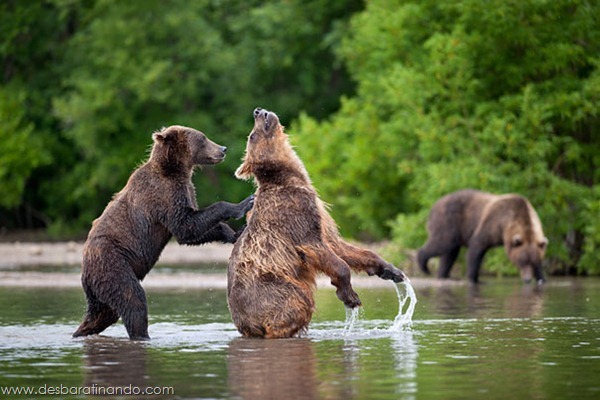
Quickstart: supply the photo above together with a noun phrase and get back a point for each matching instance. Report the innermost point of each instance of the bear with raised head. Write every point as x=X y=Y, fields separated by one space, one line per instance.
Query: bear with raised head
x=480 y=221
x=157 y=203
x=289 y=239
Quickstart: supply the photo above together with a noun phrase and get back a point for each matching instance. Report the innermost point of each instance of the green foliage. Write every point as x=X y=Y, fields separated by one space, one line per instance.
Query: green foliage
x=591 y=244
x=21 y=152
x=100 y=76
x=131 y=72
x=501 y=96
x=29 y=32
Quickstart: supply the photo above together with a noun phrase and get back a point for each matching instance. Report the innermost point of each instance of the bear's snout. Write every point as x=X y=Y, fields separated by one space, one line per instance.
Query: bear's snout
x=261 y=113
x=264 y=119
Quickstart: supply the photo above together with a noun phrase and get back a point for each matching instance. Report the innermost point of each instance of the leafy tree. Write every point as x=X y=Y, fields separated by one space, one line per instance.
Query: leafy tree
x=20 y=152
x=128 y=71
x=31 y=35
x=501 y=95
x=99 y=76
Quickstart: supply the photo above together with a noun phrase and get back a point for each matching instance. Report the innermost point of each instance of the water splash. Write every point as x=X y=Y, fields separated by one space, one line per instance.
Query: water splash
x=406 y=293
x=407 y=300
x=352 y=315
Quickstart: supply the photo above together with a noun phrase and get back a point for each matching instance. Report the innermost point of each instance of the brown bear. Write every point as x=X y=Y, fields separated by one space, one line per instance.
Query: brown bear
x=289 y=238
x=158 y=202
x=480 y=221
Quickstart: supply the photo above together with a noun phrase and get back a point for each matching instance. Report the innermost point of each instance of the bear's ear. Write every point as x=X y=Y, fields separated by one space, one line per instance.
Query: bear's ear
x=244 y=171
x=165 y=135
x=158 y=136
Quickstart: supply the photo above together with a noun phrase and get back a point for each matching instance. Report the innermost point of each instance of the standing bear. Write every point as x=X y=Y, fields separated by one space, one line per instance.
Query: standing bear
x=289 y=238
x=480 y=221
x=158 y=202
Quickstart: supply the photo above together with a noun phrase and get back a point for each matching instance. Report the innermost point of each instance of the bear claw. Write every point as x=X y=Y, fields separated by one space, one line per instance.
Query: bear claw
x=393 y=275
x=245 y=206
x=353 y=303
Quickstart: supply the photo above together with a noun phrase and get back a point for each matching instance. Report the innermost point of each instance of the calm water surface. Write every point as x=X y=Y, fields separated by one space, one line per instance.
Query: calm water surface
x=499 y=340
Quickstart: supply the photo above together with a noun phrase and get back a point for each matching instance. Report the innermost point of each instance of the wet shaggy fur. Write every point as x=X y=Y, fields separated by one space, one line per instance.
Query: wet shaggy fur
x=480 y=221
x=158 y=202
x=289 y=239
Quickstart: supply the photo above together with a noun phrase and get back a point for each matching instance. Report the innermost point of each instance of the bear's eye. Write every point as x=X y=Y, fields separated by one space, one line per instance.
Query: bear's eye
x=252 y=136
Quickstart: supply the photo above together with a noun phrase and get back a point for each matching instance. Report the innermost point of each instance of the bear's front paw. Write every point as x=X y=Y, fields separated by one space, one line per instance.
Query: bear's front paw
x=351 y=300
x=244 y=206
x=392 y=273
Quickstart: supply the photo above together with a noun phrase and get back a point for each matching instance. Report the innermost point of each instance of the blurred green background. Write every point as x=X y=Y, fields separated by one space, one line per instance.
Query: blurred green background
x=391 y=104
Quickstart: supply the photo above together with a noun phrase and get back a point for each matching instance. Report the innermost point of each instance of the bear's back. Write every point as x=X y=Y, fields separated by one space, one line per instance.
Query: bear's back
x=459 y=213
x=130 y=223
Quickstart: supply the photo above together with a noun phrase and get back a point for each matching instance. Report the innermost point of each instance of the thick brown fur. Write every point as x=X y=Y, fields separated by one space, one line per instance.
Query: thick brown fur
x=289 y=239
x=480 y=221
x=158 y=202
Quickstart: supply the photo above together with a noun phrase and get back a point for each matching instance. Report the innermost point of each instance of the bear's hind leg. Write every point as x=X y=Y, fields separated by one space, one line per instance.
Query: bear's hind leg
x=126 y=296
x=99 y=316
x=435 y=247
x=133 y=309
x=283 y=332
x=446 y=262
x=423 y=256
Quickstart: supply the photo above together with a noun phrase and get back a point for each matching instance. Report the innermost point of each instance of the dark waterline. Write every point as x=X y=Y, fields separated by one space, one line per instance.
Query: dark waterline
x=498 y=340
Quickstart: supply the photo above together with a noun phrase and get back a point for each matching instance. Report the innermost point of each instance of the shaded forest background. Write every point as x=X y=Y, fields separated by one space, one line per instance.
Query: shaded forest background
x=391 y=104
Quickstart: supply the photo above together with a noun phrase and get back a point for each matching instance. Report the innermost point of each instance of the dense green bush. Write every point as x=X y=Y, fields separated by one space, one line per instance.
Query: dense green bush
x=501 y=96
x=91 y=81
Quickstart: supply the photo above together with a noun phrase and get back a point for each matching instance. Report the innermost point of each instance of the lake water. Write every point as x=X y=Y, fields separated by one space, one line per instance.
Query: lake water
x=499 y=340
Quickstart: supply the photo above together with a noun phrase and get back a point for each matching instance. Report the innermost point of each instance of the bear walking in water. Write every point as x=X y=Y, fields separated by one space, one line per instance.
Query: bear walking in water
x=158 y=202
x=480 y=221
x=289 y=238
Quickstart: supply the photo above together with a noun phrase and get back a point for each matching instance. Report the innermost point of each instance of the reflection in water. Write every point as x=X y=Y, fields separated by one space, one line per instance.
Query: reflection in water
x=351 y=367
x=498 y=340
x=272 y=369
x=478 y=301
x=445 y=300
x=526 y=301
x=115 y=363
x=406 y=353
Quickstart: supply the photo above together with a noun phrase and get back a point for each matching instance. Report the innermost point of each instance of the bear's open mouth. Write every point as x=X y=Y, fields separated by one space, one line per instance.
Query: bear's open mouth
x=264 y=116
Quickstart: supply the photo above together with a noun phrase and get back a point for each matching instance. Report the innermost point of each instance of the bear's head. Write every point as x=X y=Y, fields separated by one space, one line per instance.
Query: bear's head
x=525 y=245
x=178 y=149
x=269 y=154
